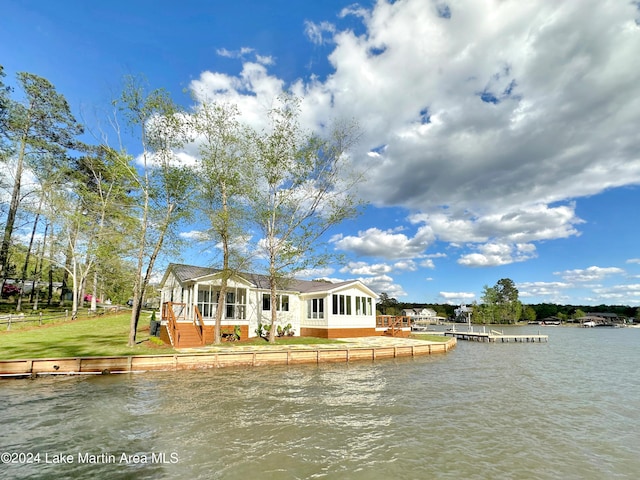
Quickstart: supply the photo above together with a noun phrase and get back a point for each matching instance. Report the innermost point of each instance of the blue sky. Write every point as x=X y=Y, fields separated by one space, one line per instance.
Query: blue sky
x=500 y=139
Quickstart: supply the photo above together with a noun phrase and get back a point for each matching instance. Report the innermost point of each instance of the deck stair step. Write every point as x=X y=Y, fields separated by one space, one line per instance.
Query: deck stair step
x=188 y=335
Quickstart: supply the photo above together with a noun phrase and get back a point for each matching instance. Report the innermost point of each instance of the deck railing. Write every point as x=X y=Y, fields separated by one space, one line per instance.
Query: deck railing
x=169 y=314
x=172 y=312
x=198 y=322
x=393 y=323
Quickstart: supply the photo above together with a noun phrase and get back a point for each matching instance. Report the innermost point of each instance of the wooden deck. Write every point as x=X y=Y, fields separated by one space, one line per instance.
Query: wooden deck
x=497 y=337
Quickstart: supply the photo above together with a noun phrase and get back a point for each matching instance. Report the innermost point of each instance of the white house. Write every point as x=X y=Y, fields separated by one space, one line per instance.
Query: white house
x=421 y=313
x=189 y=298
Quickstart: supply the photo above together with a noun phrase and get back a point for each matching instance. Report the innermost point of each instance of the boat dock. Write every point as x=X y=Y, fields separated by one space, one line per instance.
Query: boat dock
x=495 y=336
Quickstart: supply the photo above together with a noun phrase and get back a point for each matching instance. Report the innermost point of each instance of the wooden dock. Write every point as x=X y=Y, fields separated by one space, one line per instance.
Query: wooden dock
x=495 y=336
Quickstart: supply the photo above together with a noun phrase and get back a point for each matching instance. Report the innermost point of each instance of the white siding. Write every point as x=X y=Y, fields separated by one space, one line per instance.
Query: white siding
x=347 y=315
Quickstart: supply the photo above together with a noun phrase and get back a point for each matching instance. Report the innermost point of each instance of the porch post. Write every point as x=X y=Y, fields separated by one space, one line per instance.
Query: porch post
x=194 y=298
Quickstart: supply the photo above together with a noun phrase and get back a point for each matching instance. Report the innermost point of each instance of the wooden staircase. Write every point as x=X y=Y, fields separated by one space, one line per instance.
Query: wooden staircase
x=187 y=336
x=183 y=334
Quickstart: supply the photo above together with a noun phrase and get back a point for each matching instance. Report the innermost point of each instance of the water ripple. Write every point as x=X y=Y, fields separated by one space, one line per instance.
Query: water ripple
x=566 y=409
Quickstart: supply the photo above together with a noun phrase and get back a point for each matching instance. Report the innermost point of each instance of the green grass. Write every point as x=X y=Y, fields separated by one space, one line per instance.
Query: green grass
x=99 y=336
x=45 y=315
x=430 y=338
x=93 y=337
x=108 y=336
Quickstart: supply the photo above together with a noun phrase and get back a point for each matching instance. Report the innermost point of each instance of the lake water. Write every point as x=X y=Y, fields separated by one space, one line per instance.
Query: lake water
x=566 y=409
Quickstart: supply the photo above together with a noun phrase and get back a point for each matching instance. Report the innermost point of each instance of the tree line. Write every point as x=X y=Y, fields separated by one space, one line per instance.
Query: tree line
x=501 y=304
x=101 y=216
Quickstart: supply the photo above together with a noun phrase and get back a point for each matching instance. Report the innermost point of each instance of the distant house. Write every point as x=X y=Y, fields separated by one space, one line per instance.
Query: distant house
x=611 y=317
x=419 y=312
x=422 y=315
x=189 y=299
x=601 y=318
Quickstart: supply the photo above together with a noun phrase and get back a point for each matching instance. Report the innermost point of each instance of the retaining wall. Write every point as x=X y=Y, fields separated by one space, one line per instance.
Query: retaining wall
x=191 y=361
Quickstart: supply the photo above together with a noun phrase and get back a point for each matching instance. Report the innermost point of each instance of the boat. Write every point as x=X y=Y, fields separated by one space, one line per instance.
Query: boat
x=589 y=324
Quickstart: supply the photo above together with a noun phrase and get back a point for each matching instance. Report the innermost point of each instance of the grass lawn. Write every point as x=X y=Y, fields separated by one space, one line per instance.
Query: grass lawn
x=100 y=336
x=92 y=337
x=107 y=336
x=430 y=338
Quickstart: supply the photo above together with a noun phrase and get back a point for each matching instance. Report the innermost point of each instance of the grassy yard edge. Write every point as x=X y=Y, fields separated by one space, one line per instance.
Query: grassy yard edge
x=107 y=336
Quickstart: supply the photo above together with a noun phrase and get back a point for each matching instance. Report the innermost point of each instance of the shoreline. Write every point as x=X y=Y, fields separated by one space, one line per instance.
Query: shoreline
x=369 y=348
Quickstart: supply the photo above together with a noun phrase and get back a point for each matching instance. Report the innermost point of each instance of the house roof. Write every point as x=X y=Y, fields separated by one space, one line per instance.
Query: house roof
x=602 y=314
x=186 y=273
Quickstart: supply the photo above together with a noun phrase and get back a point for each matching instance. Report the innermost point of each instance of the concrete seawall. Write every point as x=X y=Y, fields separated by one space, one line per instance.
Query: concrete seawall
x=230 y=357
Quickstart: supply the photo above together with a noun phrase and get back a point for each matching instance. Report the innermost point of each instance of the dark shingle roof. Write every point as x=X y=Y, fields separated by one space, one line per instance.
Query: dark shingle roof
x=189 y=272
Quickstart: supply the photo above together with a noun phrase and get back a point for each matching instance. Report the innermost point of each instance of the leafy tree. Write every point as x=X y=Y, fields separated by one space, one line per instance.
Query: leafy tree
x=164 y=184
x=98 y=227
x=529 y=314
x=388 y=305
x=579 y=313
x=302 y=189
x=25 y=267
x=223 y=187
x=500 y=303
x=488 y=312
x=5 y=104
x=40 y=129
x=545 y=310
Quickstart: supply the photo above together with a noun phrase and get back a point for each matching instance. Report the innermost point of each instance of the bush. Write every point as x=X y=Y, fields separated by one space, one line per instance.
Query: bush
x=259 y=331
x=286 y=331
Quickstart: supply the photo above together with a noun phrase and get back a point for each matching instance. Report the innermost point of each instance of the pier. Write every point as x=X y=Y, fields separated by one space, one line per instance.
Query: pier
x=495 y=336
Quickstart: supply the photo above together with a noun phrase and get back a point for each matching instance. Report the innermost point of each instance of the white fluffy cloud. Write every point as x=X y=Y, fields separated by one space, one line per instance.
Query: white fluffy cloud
x=384 y=283
x=495 y=254
x=542 y=289
x=488 y=119
x=619 y=293
x=363 y=268
x=196 y=235
x=457 y=297
x=319 y=33
x=591 y=274
x=387 y=244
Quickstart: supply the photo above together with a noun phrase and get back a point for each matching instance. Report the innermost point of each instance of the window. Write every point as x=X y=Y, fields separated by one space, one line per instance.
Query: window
x=342 y=304
x=234 y=307
x=282 y=302
x=315 y=308
x=207 y=302
x=266 y=301
x=240 y=304
x=230 y=305
x=363 y=306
